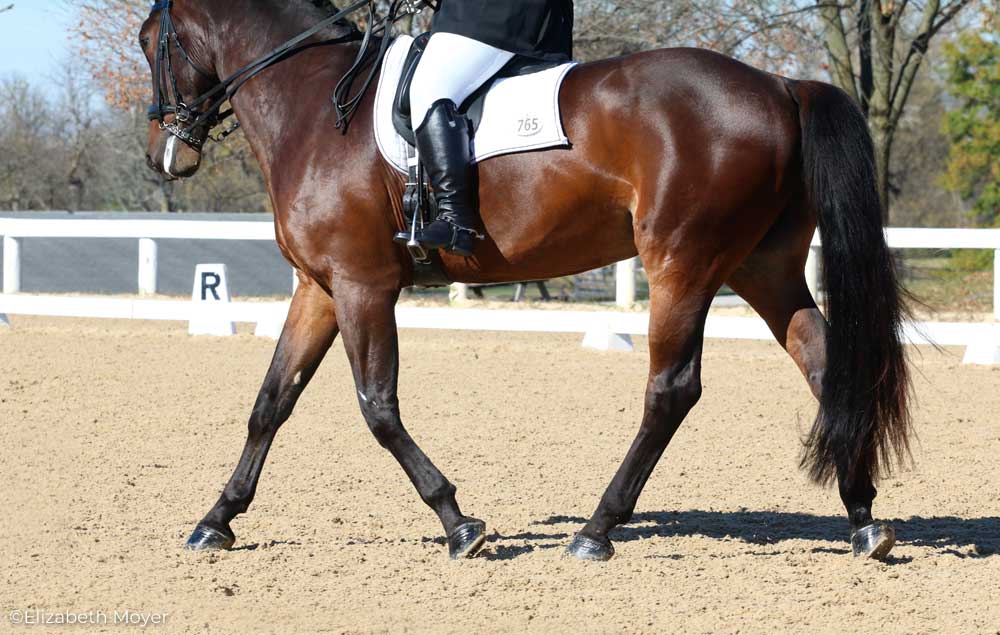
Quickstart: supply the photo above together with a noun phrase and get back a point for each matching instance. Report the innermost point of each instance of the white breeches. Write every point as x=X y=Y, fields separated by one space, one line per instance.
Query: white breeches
x=452 y=67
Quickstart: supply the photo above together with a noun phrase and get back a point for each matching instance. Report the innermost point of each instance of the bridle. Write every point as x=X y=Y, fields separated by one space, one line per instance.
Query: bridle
x=186 y=119
x=204 y=113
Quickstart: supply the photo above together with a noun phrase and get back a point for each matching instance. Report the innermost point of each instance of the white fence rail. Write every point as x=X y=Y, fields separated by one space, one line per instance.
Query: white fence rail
x=983 y=339
x=927 y=238
x=14 y=230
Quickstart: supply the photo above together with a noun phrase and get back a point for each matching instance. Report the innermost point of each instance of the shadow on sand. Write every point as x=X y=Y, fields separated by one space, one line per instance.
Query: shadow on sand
x=961 y=537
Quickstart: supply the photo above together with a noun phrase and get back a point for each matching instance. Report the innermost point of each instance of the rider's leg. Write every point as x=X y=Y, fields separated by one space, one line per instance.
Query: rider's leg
x=451 y=69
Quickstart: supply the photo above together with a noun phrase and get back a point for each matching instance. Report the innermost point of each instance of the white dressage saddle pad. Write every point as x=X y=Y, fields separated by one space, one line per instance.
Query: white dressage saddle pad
x=519 y=114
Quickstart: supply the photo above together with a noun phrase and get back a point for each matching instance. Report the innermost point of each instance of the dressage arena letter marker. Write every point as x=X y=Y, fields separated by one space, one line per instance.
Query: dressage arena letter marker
x=985 y=350
x=209 y=301
x=601 y=337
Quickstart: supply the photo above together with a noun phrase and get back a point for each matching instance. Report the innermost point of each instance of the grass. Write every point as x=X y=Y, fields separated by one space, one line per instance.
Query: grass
x=944 y=287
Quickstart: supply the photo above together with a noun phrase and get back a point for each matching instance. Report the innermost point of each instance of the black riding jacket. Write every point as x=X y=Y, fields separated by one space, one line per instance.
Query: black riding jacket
x=541 y=29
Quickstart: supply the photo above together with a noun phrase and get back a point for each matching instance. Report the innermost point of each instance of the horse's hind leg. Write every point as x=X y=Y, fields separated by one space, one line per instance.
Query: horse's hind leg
x=368 y=323
x=678 y=308
x=308 y=333
x=772 y=280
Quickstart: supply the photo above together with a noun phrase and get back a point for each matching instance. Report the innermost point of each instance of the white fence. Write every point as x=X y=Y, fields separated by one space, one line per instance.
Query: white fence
x=982 y=339
x=14 y=230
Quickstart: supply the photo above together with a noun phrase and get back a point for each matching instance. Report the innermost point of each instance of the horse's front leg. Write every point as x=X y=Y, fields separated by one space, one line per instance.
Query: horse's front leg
x=308 y=333
x=368 y=324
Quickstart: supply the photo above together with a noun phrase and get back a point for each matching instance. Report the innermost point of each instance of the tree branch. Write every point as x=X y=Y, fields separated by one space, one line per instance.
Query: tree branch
x=948 y=13
x=934 y=18
x=900 y=9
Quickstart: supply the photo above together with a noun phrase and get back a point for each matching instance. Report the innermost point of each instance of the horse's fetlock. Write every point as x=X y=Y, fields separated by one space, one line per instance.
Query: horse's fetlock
x=237 y=501
x=443 y=493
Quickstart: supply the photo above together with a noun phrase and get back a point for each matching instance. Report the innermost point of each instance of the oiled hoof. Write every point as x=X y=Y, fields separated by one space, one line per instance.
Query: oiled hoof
x=587 y=548
x=873 y=541
x=466 y=540
x=206 y=538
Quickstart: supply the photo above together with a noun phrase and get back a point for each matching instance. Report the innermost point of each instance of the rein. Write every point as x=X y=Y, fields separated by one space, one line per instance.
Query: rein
x=204 y=110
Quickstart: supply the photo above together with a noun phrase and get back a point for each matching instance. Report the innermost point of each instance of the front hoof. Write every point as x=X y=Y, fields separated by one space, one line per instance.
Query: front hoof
x=587 y=548
x=466 y=539
x=205 y=538
x=873 y=541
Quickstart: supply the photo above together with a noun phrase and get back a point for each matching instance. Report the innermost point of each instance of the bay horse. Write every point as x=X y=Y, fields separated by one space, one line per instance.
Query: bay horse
x=711 y=171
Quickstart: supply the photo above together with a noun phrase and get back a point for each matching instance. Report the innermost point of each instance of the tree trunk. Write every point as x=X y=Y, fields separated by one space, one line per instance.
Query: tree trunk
x=837 y=50
x=883 y=151
x=880 y=120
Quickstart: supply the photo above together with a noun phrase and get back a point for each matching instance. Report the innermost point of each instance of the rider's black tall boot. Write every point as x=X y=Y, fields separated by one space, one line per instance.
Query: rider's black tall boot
x=443 y=143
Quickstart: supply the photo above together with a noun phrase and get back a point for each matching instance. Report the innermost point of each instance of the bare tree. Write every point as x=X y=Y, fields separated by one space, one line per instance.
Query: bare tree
x=28 y=135
x=107 y=47
x=875 y=49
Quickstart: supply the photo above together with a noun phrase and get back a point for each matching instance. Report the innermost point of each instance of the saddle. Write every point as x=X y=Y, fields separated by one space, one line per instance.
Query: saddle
x=419 y=207
x=472 y=107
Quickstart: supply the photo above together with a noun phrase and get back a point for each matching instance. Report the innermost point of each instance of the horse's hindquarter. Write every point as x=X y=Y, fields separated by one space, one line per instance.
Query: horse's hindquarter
x=663 y=142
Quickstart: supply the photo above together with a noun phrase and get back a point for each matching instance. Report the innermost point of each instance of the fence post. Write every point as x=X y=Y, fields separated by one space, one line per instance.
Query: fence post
x=147 y=266
x=11 y=264
x=813 y=272
x=458 y=293
x=996 y=285
x=625 y=283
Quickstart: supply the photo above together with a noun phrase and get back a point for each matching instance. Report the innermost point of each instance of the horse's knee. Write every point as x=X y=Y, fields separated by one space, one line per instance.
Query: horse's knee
x=674 y=392
x=263 y=418
x=382 y=419
x=270 y=411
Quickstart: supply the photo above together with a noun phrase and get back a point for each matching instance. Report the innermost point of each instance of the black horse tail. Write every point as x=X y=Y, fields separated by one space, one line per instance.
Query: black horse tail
x=863 y=422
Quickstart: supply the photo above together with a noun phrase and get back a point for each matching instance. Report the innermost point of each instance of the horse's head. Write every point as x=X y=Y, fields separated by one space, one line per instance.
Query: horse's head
x=175 y=43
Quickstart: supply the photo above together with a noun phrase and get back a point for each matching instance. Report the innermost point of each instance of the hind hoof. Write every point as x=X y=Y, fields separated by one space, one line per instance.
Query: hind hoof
x=873 y=541
x=206 y=538
x=587 y=548
x=466 y=540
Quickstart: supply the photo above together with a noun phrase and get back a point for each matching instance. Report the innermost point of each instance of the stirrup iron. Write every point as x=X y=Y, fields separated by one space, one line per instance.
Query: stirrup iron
x=414 y=204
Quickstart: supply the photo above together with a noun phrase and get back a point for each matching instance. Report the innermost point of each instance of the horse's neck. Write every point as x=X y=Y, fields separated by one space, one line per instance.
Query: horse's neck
x=245 y=31
x=273 y=101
